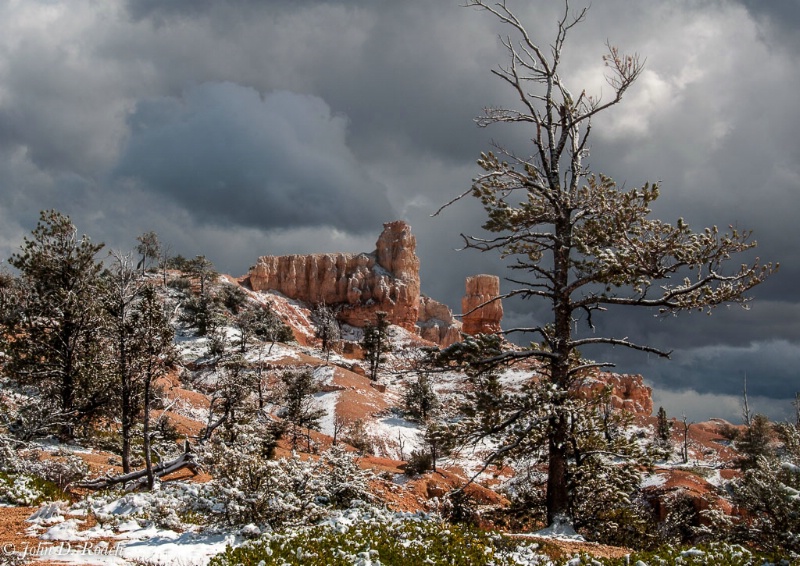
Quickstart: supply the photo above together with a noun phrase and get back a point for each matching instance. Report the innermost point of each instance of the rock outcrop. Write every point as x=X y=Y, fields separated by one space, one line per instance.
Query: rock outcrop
x=436 y=322
x=628 y=392
x=386 y=279
x=481 y=290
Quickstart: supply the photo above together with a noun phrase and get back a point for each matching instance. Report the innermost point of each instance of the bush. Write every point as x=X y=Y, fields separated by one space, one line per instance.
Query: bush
x=250 y=488
x=718 y=554
x=387 y=542
x=182 y=284
x=27 y=490
x=420 y=462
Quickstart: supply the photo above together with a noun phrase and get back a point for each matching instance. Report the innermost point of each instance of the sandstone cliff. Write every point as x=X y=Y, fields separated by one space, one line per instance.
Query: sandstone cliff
x=386 y=279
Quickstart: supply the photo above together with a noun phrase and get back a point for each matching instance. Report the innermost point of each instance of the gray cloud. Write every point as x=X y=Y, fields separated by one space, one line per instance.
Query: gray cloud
x=225 y=126
x=229 y=155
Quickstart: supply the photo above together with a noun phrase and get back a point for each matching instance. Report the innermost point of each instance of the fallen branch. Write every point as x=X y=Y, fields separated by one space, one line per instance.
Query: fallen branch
x=185 y=460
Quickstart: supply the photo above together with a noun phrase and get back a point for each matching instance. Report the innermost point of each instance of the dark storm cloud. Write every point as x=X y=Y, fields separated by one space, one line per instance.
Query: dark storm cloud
x=230 y=156
x=783 y=14
x=369 y=103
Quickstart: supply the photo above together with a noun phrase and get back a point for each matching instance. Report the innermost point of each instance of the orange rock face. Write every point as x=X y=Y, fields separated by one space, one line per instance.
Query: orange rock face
x=481 y=289
x=386 y=279
x=436 y=322
x=628 y=392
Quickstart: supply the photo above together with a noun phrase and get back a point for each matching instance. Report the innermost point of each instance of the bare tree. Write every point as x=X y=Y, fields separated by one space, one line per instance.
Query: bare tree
x=747 y=413
x=583 y=244
x=122 y=287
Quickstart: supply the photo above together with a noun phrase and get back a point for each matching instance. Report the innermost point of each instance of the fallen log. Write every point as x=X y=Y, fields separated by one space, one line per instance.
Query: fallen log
x=139 y=477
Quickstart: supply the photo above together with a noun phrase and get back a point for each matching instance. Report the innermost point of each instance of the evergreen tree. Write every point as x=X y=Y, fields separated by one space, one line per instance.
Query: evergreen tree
x=269 y=327
x=149 y=248
x=58 y=321
x=203 y=269
x=755 y=442
x=121 y=288
x=767 y=494
x=231 y=398
x=420 y=399
x=327 y=328
x=663 y=432
x=297 y=403
x=376 y=343
x=585 y=245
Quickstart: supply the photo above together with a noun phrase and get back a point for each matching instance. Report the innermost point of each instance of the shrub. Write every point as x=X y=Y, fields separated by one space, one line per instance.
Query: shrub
x=27 y=490
x=250 y=488
x=182 y=284
x=385 y=542
x=420 y=462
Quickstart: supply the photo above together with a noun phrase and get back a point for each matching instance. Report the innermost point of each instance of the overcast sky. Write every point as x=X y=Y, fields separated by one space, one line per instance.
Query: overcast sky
x=243 y=128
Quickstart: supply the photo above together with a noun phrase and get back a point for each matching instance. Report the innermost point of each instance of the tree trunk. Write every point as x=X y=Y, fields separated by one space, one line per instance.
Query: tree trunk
x=148 y=460
x=557 y=490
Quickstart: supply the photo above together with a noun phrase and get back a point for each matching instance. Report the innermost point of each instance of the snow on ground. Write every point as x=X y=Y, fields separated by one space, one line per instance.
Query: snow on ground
x=560 y=529
x=124 y=534
x=323 y=375
x=653 y=480
x=143 y=545
x=392 y=430
x=327 y=402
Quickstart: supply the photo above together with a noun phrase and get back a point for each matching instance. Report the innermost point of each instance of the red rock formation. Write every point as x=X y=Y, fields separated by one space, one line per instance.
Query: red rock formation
x=387 y=279
x=436 y=322
x=628 y=392
x=482 y=319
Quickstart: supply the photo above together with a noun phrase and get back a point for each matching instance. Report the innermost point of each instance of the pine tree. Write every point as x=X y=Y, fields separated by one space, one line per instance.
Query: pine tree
x=297 y=403
x=61 y=344
x=584 y=244
x=327 y=328
x=663 y=432
x=153 y=354
x=755 y=442
x=121 y=288
x=149 y=248
x=767 y=495
x=376 y=343
x=420 y=399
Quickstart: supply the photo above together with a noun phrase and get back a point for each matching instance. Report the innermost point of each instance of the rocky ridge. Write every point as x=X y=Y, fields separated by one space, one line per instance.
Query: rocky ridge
x=361 y=284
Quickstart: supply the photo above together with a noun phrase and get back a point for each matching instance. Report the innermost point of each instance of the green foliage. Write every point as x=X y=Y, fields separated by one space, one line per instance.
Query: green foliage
x=399 y=543
x=232 y=298
x=182 y=284
x=149 y=248
x=178 y=263
x=663 y=427
x=716 y=554
x=59 y=314
x=260 y=323
x=585 y=246
x=28 y=490
x=420 y=462
x=755 y=442
x=327 y=327
x=249 y=487
x=203 y=270
x=202 y=312
x=297 y=403
x=420 y=399
x=376 y=343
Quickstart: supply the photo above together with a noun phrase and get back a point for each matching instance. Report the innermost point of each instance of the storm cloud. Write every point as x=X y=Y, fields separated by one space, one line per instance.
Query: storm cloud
x=243 y=128
x=232 y=156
